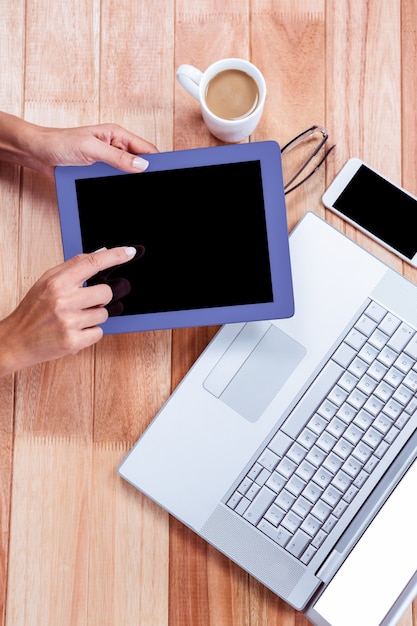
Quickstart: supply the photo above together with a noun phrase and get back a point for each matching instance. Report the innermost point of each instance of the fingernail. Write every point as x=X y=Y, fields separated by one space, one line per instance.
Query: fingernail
x=140 y=163
x=130 y=250
x=99 y=250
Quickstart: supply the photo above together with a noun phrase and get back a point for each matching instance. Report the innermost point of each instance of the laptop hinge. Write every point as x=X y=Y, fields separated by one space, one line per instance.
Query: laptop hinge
x=330 y=566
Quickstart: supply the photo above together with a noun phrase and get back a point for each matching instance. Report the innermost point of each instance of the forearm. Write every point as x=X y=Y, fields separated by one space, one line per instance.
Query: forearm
x=42 y=148
x=17 y=139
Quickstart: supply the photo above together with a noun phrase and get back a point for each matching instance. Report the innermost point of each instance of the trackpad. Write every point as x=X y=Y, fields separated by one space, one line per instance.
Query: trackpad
x=258 y=372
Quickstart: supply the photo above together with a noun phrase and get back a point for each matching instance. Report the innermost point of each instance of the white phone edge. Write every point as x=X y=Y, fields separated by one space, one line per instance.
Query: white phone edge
x=338 y=184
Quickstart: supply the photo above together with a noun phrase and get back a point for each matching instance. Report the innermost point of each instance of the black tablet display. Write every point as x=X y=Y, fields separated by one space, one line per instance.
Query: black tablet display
x=213 y=225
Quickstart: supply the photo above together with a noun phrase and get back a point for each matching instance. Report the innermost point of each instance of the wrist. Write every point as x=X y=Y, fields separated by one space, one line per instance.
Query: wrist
x=10 y=361
x=17 y=140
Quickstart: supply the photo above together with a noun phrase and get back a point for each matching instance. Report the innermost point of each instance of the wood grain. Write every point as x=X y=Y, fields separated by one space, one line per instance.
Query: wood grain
x=79 y=546
x=11 y=99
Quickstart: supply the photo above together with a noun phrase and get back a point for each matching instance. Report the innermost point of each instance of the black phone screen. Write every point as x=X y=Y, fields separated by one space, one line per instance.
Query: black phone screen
x=381 y=208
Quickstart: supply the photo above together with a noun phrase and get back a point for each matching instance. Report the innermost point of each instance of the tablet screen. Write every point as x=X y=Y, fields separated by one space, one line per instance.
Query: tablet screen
x=203 y=229
x=212 y=222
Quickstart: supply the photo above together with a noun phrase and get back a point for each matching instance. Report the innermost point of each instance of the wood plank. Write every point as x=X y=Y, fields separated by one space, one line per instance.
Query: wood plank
x=12 y=33
x=136 y=91
x=48 y=578
x=61 y=81
x=136 y=52
x=128 y=397
x=363 y=64
x=9 y=238
x=294 y=32
x=48 y=568
x=6 y=466
x=262 y=30
x=62 y=54
x=128 y=568
x=224 y=29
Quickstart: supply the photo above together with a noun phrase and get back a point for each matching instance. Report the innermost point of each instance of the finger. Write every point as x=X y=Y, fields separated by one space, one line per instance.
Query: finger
x=93 y=296
x=120 y=159
x=120 y=148
x=81 y=267
x=89 y=336
x=92 y=317
x=126 y=140
x=120 y=287
x=104 y=276
x=115 y=308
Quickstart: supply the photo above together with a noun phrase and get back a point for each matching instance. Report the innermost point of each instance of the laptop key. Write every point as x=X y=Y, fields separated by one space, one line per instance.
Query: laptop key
x=282 y=536
x=291 y=521
x=389 y=324
x=268 y=459
x=411 y=380
x=286 y=467
x=276 y=482
x=344 y=355
x=274 y=515
x=375 y=311
x=298 y=543
x=242 y=506
x=280 y=443
x=259 y=505
x=285 y=500
x=401 y=337
x=295 y=485
x=411 y=347
x=302 y=507
x=308 y=554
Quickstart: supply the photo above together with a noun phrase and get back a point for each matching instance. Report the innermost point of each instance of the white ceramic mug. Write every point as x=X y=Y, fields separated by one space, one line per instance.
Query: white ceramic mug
x=196 y=83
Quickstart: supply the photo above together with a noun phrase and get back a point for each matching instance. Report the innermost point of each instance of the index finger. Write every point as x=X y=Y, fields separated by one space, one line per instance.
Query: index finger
x=84 y=266
x=126 y=140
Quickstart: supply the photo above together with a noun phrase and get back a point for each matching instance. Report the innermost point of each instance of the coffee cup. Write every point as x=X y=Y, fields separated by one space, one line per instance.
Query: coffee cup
x=231 y=93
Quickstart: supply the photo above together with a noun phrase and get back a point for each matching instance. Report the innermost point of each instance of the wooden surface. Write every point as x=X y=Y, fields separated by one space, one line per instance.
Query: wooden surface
x=78 y=546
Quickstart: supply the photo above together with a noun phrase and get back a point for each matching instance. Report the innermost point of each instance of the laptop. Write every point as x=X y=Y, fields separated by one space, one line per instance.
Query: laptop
x=212 y=229
x=291 y=444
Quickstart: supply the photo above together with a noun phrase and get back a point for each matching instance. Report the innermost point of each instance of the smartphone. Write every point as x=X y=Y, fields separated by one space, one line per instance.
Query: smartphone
x=378 y=207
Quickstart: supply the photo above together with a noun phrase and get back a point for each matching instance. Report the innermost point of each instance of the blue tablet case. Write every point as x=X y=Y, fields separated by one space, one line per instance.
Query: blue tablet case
x=213 y=225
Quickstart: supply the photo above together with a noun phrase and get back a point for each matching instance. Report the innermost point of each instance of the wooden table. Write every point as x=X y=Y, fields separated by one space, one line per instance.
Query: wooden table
x=78 y=546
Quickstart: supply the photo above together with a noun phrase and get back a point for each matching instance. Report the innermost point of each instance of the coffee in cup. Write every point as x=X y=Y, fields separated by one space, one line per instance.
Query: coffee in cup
x=231 y=93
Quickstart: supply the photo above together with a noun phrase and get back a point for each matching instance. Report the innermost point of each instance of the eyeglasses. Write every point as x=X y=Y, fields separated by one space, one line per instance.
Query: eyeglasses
x=309 y=154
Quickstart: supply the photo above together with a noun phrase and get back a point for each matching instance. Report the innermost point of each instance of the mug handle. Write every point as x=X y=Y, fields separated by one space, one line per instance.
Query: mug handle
x=189 y=77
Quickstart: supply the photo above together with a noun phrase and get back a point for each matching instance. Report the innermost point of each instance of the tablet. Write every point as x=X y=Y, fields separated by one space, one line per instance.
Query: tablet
x=213 y=225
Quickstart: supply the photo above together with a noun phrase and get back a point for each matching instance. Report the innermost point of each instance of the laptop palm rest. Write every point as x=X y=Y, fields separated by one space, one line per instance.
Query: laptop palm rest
x=254 y=367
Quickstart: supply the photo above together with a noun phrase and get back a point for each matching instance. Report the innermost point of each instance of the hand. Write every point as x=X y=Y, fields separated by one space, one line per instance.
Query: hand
x=109 y=143
x=59 y=316
x=43 y=148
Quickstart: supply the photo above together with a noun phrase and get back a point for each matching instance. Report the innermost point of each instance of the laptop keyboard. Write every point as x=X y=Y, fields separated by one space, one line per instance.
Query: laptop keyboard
x=303 y=481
